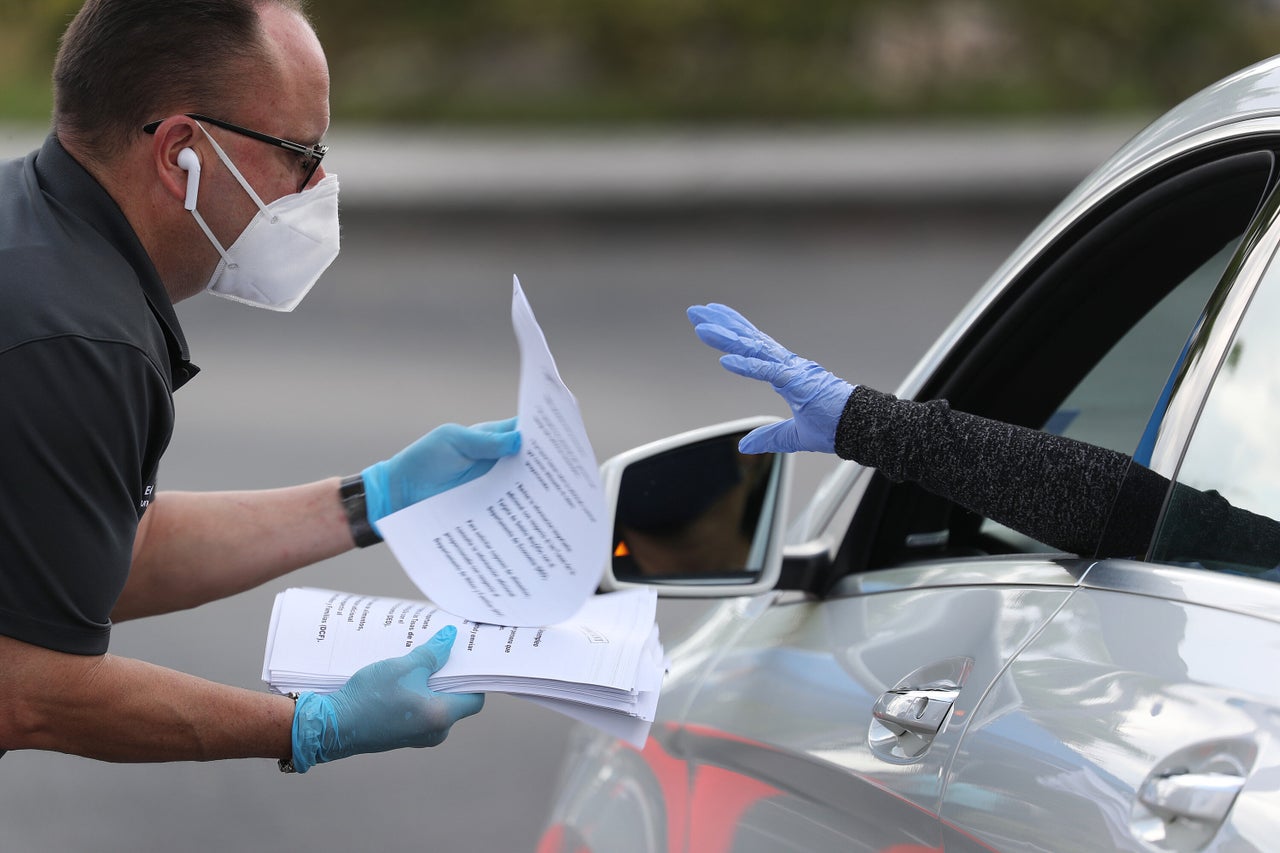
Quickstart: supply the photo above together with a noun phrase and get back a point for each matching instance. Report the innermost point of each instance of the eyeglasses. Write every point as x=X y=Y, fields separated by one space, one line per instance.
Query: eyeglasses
x=309 y=155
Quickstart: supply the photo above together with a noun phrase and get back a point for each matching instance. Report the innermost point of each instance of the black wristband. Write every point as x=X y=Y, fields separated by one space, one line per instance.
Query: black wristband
x=286 y=764
x=352 y=494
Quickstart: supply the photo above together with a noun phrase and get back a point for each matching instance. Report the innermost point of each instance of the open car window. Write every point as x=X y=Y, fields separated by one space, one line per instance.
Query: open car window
x=1112 y=405
x=1081 y=344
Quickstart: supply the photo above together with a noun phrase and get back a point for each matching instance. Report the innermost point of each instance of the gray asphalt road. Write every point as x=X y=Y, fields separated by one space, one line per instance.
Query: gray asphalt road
x=411 y=328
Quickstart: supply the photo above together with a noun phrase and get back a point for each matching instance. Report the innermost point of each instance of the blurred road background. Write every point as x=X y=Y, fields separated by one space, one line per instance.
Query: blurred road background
x=846 y=172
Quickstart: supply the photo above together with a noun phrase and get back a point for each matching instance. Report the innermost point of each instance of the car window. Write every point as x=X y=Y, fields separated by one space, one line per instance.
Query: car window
x=1221 y=513
x=1082 y=343
x=1114 y=402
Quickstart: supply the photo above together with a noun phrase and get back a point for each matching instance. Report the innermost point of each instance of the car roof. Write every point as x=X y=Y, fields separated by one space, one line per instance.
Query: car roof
x=1246 y=103
x=1242 y=104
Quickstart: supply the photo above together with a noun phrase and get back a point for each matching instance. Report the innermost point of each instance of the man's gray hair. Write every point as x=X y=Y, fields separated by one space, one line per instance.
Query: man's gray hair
x=123 y=63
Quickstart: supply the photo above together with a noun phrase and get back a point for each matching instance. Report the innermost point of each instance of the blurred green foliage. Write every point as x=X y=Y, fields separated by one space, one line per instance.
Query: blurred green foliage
x=597 y=61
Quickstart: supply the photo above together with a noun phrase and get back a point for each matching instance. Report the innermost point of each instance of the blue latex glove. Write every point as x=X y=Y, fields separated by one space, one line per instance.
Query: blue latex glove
x=385 y=705
x=816 y=397
x=448 y=456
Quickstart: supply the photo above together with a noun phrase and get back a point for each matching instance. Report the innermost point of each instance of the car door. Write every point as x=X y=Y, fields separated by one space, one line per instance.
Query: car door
x=832 y=713
x=1146 y=715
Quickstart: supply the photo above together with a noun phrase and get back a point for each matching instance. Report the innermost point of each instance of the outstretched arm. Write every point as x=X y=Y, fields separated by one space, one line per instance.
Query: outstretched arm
x=192 y=548
x=195 y=547
x=1054 y=489
x=117 y=709
x=1051 y=488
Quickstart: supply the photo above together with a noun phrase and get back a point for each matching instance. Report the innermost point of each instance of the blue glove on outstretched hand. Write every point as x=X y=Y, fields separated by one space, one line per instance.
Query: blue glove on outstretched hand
x=448 y=456
x=386 y=705
x=816 y=396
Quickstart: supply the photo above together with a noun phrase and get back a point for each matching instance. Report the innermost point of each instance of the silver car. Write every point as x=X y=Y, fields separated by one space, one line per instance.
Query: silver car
x=890 y=672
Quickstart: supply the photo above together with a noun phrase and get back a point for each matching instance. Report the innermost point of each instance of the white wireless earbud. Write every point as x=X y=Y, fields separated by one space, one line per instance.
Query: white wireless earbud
x=188 y=160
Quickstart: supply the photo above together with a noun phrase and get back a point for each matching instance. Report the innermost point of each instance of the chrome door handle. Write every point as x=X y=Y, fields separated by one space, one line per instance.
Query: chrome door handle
x=1187 y=798
x=1195 y=796
x=908 y=716
x=919 y=712
x=905 y=722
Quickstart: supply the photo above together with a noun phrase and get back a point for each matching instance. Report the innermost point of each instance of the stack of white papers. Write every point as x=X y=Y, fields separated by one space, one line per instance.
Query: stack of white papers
x=603 y=666
x=517 y=554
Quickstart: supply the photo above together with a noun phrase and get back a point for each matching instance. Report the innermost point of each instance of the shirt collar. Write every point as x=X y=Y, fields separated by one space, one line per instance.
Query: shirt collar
x=63 y=178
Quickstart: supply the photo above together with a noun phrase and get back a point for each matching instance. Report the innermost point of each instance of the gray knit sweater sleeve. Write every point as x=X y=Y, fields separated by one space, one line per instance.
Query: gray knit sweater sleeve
x=1053 y=489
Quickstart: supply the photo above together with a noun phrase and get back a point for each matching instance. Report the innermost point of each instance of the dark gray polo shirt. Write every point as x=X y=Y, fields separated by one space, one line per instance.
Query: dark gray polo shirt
x=90 y=355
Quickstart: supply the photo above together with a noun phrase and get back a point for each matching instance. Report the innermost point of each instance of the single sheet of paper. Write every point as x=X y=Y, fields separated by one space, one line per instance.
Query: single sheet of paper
x=525 y=544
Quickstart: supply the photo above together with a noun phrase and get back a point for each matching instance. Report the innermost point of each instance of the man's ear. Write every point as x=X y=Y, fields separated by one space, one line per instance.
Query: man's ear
x=175 y=159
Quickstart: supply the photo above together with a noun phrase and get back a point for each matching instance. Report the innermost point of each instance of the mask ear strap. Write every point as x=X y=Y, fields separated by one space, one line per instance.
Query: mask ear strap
x=222 y=155
x=212 y=239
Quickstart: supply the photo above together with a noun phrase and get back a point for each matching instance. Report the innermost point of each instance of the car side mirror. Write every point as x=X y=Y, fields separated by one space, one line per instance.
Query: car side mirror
x=694 y=517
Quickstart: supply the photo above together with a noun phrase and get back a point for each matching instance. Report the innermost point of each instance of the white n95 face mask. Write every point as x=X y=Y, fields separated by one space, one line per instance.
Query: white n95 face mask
x=283 y=250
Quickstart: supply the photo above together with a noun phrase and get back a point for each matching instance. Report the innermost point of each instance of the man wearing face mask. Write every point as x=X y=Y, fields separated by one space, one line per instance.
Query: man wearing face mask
x=185 y=156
